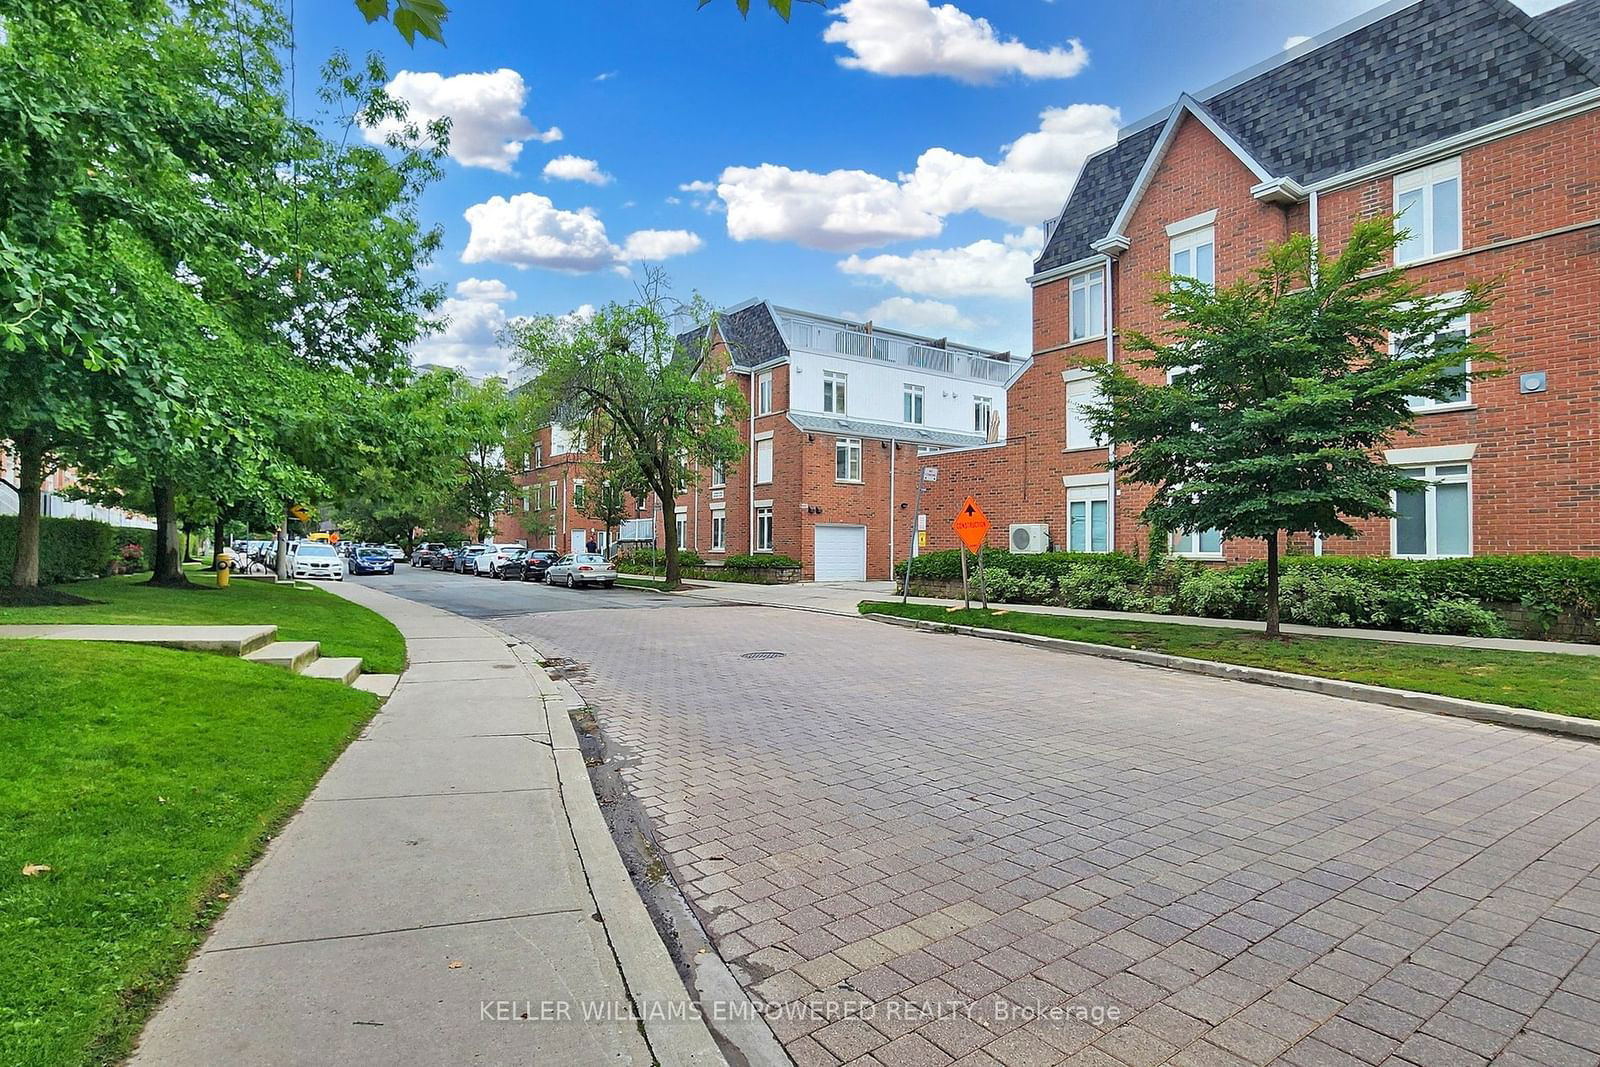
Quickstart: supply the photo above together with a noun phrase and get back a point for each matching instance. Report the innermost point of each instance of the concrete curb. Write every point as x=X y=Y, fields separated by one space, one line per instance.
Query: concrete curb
x=651 y=977
x=1429 y=703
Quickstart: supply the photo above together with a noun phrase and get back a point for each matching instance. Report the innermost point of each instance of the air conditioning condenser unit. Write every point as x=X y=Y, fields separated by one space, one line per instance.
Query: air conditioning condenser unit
x=1030 y=537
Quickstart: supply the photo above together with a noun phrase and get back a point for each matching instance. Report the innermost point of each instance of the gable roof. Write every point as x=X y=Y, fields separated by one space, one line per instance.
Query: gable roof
x=751 y=334
x=1576 y=24
x=1411 y=74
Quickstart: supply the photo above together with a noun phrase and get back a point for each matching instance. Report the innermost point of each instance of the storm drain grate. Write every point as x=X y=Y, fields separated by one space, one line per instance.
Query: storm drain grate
x=763 y=655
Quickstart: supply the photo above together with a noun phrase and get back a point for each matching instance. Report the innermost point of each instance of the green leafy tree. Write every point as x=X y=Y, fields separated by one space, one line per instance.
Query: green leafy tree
x=427 y=17
x=623 y=377
x=485 y=418
x=1277 y=392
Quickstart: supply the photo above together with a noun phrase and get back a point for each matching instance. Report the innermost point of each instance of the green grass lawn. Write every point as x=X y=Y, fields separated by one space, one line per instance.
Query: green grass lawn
x=1566 y=685
x=301 y=614
x=148 y=779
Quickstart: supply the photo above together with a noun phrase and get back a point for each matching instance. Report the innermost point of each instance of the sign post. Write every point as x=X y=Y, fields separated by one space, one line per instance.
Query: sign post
x=929 y=474
x=972 y=527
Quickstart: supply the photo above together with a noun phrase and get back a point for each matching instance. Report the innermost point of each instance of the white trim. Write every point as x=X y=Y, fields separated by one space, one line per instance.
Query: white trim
x=764 y=435
x=1113 y=244
x=1064 y=270
x=1454 y=145
x=1088 y=496
x=762 y=503
x=1086 y=481
x=1091 y=276
x=1425 y=180
x=1076 y=374
x=1429 y=485
x=1193 y=222
x=1280 y=191
x=1429 y=455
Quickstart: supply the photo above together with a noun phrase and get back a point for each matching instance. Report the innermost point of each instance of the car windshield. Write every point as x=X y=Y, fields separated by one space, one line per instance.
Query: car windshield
x=586 y=558
x=316 y=550
x=371 y=552
x=475 y=549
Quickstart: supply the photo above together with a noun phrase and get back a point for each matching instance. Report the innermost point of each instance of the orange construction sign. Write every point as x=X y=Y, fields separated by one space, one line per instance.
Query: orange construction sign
x=971 y=525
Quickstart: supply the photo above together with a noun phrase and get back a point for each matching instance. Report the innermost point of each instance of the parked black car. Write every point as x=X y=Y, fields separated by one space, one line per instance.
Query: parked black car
x=422 y=556
x=528 y=566
x=444 y=558
x=371 y=561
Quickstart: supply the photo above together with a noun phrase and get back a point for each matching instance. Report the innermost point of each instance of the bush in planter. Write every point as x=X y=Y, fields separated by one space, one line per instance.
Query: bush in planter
x=1464 y=617
x=765 y=561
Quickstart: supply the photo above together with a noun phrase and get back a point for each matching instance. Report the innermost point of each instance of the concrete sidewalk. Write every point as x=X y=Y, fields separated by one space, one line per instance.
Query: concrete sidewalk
x=841 y=598
x=449 y=894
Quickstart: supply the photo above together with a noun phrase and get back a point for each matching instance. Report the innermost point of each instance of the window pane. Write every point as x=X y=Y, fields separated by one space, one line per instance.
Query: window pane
x=1411 y=523
x=1080 y=312
x=1211 y=541
x=1180 y=263
x=1097 y=526
x=1451 y=504
x=1409 y=218
x=1076 y=526
x=1446 y=215
x=841 y=463
x=1203 y=268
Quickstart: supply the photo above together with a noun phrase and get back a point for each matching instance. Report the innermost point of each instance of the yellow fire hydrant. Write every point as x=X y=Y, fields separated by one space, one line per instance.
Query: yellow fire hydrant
x=222 y=574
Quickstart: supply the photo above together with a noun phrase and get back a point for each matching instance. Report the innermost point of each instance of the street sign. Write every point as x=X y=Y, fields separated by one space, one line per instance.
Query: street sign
x=930 y=474
x=298 y=511
x=971 y=525
x=922 y=538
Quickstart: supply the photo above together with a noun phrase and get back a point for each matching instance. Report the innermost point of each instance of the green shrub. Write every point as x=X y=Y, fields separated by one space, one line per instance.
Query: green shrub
x=946 y=565
x=1213 y=592
x=1462 y=617
x=765 y=561
x=646 y=559
x=68 y=548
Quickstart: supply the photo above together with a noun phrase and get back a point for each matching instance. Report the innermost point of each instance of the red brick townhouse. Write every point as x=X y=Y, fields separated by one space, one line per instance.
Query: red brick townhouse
x=838 y=414
x=551 y=492
x=1479 y=126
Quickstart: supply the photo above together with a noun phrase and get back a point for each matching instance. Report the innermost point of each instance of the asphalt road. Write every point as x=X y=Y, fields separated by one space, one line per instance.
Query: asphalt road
x=487 y=598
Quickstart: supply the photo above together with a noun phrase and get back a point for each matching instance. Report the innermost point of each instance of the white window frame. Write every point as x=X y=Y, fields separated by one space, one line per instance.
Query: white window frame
x=1426 y=179
x=1081 y=389
x=1423 y=405
x=913 y=401
x=555 y=496
x=835 y=392
x=982 y=414
x=681 y=517
x=1191 y=241
x=1091 y=285
x=538 y=496
x=764 y=393
x=719 y=475
x=719 y=531
x=851 y=448
x=764 y=520
x=763 y=440
x=578 y=497
x=538 y=453
x=1192 y=537
x=1431 y=480
x=1089 y=496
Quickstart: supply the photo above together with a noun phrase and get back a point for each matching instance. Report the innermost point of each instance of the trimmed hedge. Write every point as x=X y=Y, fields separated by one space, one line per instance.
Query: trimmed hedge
x=68 y=548
x=643 y=560
x=1457 y=596
x=766 y=561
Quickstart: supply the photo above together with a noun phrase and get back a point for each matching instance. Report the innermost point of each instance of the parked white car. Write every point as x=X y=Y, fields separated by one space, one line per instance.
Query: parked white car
x=584 y=568
x=313 y=559
x=488 y=562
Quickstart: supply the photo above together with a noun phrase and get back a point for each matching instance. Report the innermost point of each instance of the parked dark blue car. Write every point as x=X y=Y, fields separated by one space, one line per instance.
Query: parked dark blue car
x=371 y=561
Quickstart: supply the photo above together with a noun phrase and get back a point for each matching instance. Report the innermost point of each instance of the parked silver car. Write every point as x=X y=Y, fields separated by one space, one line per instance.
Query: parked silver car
x=584 y=568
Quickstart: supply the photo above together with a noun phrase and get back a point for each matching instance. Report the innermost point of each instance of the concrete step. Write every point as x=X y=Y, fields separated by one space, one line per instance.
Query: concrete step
x=233 y=640
x=342 y=669
x=290 y=655
x=382 y=684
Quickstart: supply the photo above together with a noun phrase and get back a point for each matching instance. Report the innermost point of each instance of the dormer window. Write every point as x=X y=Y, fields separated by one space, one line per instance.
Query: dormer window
x=1088 y=309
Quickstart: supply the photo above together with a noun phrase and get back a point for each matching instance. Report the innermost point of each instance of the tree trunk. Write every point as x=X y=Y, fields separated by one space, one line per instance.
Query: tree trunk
x=283 y=545
x=1273 y=630
x=219 y=530
x=30 y=490
x=167 y=567
x=669 y=534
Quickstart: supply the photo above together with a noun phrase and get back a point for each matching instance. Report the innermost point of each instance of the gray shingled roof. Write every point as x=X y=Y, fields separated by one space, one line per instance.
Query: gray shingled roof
x=1431 y=70
x=1576 y=24
x=920 y=435
x=751 y=335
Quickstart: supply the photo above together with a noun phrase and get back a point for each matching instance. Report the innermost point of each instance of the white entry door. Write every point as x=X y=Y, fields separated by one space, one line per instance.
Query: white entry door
x=841 y=553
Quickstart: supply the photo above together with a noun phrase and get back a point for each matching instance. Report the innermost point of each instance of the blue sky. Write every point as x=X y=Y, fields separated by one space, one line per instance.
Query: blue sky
x=898 y=168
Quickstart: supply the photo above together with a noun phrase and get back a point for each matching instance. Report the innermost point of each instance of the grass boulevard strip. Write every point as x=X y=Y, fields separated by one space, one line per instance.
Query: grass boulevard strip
x=1563 y=685
x=147 y=780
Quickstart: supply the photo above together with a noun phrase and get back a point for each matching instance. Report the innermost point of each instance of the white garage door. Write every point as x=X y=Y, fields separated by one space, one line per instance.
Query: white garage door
x=841 y=553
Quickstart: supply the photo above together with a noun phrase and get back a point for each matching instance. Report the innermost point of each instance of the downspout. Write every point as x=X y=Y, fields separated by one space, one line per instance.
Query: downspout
x=1316 y=540
x=894 y=449
x=750 y=497
x=1111 y=449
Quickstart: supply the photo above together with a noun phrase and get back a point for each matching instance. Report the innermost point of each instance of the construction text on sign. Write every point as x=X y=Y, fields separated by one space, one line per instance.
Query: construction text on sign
x=971 y=525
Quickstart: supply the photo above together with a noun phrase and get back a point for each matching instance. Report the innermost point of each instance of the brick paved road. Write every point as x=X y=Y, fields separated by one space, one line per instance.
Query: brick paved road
x=1243 y=875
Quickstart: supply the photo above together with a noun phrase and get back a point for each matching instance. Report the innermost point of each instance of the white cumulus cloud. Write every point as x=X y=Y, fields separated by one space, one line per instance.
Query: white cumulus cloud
x=912 y=37
x=660 y=244
x=470 y=341
x=487 y=126
x=983 y=268
x=848 y=210
x=930 y=317
x=838 y=211
x=576 y=169
x=493 y=290
x=528 y=230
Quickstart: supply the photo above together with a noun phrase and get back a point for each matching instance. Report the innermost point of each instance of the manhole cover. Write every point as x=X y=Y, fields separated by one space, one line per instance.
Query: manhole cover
x=763 y=655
